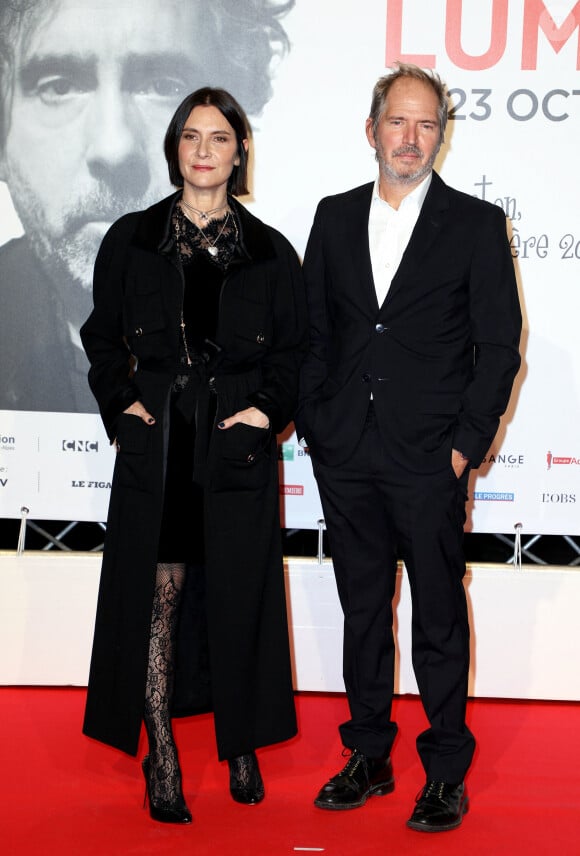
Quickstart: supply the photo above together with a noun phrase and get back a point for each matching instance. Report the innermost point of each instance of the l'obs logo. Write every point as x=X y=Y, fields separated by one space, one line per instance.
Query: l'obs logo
x=559 y=498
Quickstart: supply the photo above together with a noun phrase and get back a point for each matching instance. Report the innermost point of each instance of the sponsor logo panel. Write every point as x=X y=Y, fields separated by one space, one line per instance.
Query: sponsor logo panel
x=509 y=460
x=292 y=489
x=286 y=451
x=493 y=496
x=80 y=445
x=561 y=460
x=562 y=498
x=7 y=442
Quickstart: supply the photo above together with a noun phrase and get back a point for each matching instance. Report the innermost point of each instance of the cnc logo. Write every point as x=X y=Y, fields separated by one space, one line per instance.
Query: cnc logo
x=560 y=460
x=80 y=446
x=491 y=496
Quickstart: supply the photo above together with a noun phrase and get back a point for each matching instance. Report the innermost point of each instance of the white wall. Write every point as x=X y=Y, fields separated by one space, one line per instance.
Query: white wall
x=525 y=642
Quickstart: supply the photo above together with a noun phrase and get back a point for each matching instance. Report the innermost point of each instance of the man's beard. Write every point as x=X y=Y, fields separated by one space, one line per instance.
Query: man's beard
x=67 y=253
x=391 y=174
x=68 y=259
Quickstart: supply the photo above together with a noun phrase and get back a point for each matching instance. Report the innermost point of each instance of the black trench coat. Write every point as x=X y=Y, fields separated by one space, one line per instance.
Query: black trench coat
x=138 y=295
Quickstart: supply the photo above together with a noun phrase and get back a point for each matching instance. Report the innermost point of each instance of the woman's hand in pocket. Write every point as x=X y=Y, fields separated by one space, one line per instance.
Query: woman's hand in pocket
x=137 y=409
x=250 y=416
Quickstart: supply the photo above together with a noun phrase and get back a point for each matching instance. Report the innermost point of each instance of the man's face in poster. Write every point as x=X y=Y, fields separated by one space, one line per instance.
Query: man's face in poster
x=95 y=83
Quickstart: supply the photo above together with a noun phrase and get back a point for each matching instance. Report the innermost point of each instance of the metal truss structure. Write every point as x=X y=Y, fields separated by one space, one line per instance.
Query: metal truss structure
x=563 y=550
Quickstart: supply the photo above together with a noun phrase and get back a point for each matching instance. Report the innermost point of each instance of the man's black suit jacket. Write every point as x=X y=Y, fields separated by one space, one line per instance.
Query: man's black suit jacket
x=441 y=353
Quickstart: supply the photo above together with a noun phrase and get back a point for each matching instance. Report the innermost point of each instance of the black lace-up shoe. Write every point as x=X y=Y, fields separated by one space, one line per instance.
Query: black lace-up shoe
x=360 y=778
x=439 y=807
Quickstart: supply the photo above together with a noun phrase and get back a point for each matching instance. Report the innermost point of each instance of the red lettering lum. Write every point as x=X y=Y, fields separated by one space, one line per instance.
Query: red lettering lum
x=535 y=18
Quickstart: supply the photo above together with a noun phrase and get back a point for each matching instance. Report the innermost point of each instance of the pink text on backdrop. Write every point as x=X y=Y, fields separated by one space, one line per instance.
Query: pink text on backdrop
x=535 y=18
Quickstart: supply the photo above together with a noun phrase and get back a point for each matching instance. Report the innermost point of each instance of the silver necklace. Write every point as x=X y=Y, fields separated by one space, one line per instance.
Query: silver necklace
x=212 y=249
x=203 y=215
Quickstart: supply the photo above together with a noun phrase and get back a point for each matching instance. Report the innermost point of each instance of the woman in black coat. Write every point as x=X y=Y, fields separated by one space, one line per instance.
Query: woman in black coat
x=195 y=340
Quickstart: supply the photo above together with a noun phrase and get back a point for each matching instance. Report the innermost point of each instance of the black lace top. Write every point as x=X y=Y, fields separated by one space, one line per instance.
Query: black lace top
x=218 y=239
x=204 y=255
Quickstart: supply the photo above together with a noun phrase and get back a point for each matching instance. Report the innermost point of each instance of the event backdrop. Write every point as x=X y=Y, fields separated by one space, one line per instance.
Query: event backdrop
x=512 y=70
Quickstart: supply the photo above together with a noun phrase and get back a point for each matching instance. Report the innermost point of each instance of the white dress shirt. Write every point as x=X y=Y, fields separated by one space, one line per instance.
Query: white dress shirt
x=389 y=233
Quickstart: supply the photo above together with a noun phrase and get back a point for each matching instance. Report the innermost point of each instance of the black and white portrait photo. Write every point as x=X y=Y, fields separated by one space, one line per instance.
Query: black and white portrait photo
x=87 y=88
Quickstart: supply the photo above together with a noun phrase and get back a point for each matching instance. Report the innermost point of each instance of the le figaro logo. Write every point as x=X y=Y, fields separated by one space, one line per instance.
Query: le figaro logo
x=560 y=460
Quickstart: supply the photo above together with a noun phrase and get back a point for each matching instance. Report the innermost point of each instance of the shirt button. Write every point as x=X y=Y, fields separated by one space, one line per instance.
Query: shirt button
x=366 y=377
x=260 y=338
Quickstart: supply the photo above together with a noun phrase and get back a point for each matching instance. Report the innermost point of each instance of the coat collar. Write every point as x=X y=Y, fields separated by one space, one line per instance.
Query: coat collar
x=154 y=232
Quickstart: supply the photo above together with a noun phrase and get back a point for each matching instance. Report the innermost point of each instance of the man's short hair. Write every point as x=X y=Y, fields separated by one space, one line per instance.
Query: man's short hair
x=246 y=36
x=232 y=112
x=403 y=70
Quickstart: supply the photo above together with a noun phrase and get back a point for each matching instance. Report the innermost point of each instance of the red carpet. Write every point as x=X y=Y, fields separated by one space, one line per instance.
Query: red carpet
x=64 y=794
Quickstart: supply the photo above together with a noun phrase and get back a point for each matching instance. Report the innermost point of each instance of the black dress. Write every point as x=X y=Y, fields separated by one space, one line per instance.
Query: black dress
x=204 y=257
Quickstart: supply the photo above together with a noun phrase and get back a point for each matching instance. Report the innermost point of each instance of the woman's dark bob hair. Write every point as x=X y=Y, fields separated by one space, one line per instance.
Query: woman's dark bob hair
x=230 y=110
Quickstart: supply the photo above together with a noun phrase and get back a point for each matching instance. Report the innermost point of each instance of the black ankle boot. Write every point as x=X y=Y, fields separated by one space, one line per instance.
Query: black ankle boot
x=162 y=810
x=246 y=785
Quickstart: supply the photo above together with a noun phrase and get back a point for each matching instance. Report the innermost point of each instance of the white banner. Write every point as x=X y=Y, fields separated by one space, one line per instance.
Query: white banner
x=512 y=70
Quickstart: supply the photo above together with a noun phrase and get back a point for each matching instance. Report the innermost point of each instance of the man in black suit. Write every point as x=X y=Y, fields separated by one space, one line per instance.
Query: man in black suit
x=415 y=326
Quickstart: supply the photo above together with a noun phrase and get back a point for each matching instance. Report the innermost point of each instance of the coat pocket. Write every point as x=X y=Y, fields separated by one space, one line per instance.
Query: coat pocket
x=240 y=458
x=132 y=466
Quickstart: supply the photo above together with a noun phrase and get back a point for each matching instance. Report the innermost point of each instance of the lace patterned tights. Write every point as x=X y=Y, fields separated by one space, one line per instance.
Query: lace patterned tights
x=165 y=774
